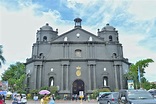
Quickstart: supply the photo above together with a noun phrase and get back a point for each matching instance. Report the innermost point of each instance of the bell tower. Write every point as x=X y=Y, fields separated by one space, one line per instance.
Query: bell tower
x=77 y=22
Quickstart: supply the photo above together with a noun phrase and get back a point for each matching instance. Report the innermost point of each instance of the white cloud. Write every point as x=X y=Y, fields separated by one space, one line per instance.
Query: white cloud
x=135 y=52
x=72 y=3
x=143 y=9
x=18 y=31
x=18 y=28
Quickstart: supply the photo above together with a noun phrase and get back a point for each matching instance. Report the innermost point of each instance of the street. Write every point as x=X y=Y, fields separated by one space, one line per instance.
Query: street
x=59 y=102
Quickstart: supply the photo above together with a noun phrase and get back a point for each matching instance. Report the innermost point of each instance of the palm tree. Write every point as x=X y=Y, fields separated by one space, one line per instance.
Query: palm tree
x=2 y=59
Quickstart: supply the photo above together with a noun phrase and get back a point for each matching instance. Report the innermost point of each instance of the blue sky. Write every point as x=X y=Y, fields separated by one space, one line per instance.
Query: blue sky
x=135 y=21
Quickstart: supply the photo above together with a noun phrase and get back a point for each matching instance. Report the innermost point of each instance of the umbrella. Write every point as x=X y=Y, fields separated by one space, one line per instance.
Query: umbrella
x=3 y=92
x=43 y=92
x=9 y=93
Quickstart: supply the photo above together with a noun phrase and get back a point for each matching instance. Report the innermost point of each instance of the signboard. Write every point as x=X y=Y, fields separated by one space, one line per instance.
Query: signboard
x=130 y=84
x=4 y=85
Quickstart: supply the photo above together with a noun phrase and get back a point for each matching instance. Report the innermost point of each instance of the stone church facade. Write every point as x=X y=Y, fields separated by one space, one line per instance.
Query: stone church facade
x=76 y=60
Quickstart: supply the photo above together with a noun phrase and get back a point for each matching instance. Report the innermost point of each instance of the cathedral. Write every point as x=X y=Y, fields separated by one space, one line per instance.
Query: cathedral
x=77 y=61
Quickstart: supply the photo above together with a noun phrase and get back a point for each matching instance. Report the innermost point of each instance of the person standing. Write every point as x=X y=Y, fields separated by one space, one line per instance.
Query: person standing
x=19 y=99
x=14 y=100
x=88 y=98
x=1 y=99
x=41 y=102
x=76 y=97
x=72 y=97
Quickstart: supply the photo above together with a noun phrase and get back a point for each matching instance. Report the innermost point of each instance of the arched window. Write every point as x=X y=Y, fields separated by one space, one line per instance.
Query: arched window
x=110 y=38
x=114 y=55
x=65 y=38
x=41 y=54
x=37 y=39
x=44 y=38
x=105 y=81
x=51 y=81
x=78 y=53
x=90 y=39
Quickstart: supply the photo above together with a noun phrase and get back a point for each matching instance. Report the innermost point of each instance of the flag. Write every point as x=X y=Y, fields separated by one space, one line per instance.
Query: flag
x=139 y=74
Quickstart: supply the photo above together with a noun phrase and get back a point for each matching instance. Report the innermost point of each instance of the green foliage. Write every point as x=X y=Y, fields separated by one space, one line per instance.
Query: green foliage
x=44 y=88
x=53 y=89
x=58 y=97
x=152 y=86
x=133 y=72
x=104 y=90
x=21 y=91
x=96 y=92
x=15 y=75
x=92 y=96
x=34 y=91
x=2 y=59
x=116 y=90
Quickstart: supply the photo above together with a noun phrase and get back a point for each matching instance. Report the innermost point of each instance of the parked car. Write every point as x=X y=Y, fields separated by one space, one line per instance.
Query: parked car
x=135 y=97
x=153 y=92
x=111 y=98
x=102 y=96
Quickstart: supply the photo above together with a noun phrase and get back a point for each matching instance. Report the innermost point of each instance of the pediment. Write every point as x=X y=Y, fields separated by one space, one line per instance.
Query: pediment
x=78 y=35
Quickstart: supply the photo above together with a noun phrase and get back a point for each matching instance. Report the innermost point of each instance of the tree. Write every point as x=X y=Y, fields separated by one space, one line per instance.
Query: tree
x=15 y=75
x=133 y=71
x=2 y=59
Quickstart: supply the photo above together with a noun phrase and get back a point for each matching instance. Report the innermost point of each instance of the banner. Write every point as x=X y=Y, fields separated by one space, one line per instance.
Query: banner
x=139 y=75
x=130 y=84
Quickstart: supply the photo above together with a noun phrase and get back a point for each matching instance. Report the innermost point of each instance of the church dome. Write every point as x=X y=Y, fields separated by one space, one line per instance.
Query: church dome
x=108 y=27
x=46 y=27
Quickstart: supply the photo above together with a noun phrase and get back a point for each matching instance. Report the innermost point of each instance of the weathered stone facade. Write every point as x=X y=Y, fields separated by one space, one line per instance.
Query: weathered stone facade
x=77 y=60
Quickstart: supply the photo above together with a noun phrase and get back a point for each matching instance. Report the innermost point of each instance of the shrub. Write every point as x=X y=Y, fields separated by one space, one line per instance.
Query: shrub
x=96 y=92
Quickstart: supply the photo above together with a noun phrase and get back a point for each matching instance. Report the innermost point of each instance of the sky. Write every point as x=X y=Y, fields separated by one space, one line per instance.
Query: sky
x=135 y=21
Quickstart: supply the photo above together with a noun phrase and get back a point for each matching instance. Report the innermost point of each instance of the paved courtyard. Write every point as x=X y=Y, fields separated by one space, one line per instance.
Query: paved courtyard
x=58 y=102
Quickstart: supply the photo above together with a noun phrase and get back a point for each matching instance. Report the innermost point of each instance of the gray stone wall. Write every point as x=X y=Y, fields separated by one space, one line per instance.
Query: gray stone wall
x=56 y=58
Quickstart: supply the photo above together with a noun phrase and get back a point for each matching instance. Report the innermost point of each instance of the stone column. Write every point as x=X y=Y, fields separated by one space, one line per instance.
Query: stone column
x=63 y=50
x=62 y=79
x=94 y=76
x=116 y=80
x=67 y=50
x=40 y=76
x=93 y=51
x=67 y=79
x=35 y=72
x=89 y=78
x=120 y=68
x=88 y=51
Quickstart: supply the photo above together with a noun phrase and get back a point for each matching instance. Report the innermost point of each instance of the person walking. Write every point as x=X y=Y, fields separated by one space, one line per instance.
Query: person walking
x=45 y=99
x=52 y=101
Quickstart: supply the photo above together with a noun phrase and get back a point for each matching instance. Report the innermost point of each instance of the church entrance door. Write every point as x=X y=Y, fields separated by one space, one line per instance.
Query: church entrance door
x=78 y=85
